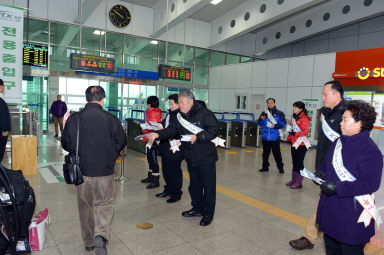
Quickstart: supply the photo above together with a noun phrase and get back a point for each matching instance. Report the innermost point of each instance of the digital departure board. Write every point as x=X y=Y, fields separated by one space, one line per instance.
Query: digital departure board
x=35 y=55
x=174 y=72
x=92 y=63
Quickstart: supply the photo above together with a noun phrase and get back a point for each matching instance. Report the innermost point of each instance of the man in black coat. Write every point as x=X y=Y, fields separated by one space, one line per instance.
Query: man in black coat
x=5 y=122
x=334 y=106
x=197 y=126
x=101 y=138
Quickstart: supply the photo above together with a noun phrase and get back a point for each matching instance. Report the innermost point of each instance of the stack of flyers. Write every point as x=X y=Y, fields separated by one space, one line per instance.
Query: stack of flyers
x=308 y=174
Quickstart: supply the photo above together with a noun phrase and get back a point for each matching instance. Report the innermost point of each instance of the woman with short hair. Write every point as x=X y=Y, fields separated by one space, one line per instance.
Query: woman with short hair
x=346 y=212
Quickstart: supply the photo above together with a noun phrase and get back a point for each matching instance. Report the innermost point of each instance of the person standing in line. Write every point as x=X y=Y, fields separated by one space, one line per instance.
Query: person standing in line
x=58 y=110
x=171 y=160
x=101 y=138
x=331 y=115
x=5 y=122
x=271 y=122
x=152 y=114
x=197 y=126
x=298 y=136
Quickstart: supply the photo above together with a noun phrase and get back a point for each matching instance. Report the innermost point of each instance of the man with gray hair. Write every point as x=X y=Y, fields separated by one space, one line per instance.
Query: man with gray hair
x=197 y=126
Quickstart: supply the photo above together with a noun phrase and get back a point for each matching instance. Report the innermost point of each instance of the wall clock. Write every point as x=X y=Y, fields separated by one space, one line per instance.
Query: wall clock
x=120 y=16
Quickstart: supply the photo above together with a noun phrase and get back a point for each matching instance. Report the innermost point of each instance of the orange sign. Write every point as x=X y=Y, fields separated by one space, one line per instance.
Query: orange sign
x=360 y=67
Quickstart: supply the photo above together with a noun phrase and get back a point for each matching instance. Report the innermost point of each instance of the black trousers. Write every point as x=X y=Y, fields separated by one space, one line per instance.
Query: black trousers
x=173 y=176
x=334 y=247
x=3 y=144
x=298 y=157
x=152 y=160
x=202 y=187
x=275 y=146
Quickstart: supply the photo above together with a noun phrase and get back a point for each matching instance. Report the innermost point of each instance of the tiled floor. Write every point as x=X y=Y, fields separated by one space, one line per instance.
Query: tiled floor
x=238 y=227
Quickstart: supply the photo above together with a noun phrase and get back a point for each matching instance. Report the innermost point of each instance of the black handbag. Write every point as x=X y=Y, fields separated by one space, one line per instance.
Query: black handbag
x=71 y=167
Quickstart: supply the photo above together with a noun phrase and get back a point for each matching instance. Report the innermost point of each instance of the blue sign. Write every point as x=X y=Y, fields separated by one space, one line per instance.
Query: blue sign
x=129 y=73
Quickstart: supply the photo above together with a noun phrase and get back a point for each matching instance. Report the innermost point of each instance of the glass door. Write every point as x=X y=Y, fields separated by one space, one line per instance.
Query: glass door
x=35 y=97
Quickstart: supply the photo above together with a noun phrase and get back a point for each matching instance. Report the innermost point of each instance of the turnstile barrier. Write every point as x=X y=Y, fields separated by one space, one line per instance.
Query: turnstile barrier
x=253 y=134
x=225 y=132
x=238 y=133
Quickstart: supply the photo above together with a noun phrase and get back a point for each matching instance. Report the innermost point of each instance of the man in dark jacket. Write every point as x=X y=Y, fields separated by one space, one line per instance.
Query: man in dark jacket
x=5 y=122
x=334 y=106
x=271 y=122
x=197 y=126
x=101 y=138
x=58 y=110
x=171 y=157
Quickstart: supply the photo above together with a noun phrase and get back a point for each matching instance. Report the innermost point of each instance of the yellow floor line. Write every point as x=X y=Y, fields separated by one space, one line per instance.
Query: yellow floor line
x=288 y=216
x=248 y=151
x=232 y=152
x=371 y=249
x=278 y=212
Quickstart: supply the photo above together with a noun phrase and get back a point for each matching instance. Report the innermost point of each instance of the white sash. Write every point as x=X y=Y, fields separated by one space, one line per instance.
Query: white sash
x=366 y=201
x=195 y=130
x=328 y=131
x=295 y=126
x=301 y=139
x=274 y=122
x=167 y=121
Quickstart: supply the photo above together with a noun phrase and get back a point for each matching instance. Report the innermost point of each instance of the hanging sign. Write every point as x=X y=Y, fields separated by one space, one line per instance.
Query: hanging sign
x=11 y=50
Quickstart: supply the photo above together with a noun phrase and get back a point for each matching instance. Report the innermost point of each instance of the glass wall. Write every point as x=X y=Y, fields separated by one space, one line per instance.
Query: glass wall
x=129 y=52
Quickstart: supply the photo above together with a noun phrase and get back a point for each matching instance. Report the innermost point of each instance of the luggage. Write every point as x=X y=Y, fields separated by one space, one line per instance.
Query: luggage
x=17 y=206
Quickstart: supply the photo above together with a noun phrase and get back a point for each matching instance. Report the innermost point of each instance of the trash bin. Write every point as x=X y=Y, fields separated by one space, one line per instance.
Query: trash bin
x=24 y=153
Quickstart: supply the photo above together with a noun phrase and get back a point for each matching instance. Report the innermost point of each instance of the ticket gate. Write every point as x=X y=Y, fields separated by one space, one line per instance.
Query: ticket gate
x=114 y=111
x=133 y=130
x=239 y=128
x=225 y=132
x=253 y=134
x=224 y=129
x=238 y=133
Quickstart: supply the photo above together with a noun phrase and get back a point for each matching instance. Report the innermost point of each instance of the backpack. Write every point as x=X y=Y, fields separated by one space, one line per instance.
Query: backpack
x=17 y=207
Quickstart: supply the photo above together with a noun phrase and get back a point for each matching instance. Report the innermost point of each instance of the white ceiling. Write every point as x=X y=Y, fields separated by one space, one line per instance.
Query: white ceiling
x=147 y=3
x=211 y=12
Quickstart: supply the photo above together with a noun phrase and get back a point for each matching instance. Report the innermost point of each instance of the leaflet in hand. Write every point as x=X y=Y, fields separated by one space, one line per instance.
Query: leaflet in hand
x=308 y=174
x=269 y=124
x=155 y=124
x=186 y=138
x=150 y=127
x=140 y=137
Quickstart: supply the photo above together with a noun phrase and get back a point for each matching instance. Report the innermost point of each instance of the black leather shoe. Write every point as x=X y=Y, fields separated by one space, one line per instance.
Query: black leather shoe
x=162 y=194
x=173 y=199
x=281 y=170
x=89 y=248
x=192 y=213
x=206 y=220
x=264 y=170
